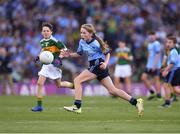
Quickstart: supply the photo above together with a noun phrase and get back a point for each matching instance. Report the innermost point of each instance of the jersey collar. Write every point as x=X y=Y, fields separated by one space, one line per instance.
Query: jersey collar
x=88 y=42
x=48 y=38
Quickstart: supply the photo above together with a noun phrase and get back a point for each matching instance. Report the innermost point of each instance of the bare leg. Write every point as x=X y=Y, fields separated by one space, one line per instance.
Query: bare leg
x=167 y=91
x=40 y=84
x=128 y=84
x=176 y=89
x=145 y=80
x=82 y=77
x=107 y=82
x=11 y=84
x=4 y=85
x=117 y=82
x=158 y=84
x=148 y=85
x=39 y=95
x=67 y=84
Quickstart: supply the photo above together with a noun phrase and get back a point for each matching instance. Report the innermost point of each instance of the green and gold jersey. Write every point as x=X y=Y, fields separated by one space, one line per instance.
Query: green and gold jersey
x=52 y=45
x=121 y=53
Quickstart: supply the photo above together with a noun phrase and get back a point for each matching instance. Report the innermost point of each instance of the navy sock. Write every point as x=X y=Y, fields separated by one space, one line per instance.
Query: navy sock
x=133 y=101
x=77 y=103
x=167 y=102
x=151 y=91
x=158 y=95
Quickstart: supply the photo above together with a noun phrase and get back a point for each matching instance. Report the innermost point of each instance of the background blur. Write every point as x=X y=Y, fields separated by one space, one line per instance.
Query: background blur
x=129 y=20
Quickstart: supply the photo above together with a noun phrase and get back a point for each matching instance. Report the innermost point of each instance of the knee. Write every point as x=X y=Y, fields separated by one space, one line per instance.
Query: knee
x=116 y=81
x=177 y=90
x=143 y=77
x=112 y=92
x=77 y=80
x=58 y=85
x=39 y=84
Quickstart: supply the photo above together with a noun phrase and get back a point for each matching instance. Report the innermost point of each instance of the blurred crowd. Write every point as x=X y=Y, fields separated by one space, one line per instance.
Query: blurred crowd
x=129 y=20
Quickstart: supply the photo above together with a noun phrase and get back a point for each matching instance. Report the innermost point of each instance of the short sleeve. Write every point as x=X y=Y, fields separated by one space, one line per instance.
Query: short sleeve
x=79 y=50
x=173 y=57
x=157 y=47
x=107 y=51
x=60 y=45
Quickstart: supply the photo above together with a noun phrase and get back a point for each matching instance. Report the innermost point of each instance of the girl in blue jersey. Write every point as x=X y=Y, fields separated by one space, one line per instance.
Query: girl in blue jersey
x=98 y=56
x=171 y=72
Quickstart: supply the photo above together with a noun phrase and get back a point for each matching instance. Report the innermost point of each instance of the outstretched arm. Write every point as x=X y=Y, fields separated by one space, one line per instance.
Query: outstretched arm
x=74 y=55
x=67 y=53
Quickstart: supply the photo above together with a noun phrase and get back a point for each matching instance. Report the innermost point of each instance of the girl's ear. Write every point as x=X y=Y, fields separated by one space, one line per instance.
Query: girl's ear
x=92 y=35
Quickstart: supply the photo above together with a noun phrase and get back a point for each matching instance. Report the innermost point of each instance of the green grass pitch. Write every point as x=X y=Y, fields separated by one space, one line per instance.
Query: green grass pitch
x=100 y=114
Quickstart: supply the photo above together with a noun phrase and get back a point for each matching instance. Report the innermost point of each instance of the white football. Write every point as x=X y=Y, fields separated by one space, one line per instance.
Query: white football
x=46 y=57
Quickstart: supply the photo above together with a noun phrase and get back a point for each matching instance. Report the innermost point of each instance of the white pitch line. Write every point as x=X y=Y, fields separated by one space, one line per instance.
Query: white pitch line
x=107 y=121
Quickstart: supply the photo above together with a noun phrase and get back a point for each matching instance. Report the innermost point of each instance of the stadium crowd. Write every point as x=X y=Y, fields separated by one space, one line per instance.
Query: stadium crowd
x=129 y=20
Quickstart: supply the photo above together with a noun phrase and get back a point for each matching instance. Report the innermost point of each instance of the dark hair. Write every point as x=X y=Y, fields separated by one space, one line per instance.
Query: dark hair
x=152 y=33
x=172 y=38
x=49 y=25
x=122 y=40
x=169 y=35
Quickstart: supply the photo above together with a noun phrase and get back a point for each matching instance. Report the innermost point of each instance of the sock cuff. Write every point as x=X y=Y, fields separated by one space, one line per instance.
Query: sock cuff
x=133 y=101
x=167 y=101
x=39 y=99
x=77 y=101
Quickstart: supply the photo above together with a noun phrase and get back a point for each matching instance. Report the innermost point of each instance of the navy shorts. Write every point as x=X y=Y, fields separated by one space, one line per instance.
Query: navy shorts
x=95 y=69
x=152 y=73
x=173 y=77
x=5 y=70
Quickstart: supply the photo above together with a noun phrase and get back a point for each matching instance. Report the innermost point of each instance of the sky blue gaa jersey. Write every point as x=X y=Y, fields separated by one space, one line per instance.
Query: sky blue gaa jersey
x=153 y=49
x=173 y=58
x=91 y=49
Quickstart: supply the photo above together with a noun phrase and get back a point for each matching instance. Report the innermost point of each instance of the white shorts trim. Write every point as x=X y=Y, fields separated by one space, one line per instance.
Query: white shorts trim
x=122 y=71
x=50 y=71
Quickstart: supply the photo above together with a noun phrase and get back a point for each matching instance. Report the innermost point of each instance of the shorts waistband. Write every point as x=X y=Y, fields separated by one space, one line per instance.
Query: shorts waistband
x=96 y=62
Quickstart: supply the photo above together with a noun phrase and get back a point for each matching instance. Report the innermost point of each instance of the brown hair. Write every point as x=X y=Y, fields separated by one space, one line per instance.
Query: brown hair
x=172 y=38
x=49 y=25
x=151 y=33
x=90 y=28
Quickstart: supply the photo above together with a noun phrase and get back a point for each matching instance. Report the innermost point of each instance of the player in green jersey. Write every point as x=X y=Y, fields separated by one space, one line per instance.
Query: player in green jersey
x=123 y=68
x=52 y=71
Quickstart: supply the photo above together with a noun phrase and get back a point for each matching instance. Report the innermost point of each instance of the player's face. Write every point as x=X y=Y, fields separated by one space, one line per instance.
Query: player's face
x=121 y=44
x=152 y=38
x=3 y=52
x=85 y=35
x=169 y=44
x=46 y=32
